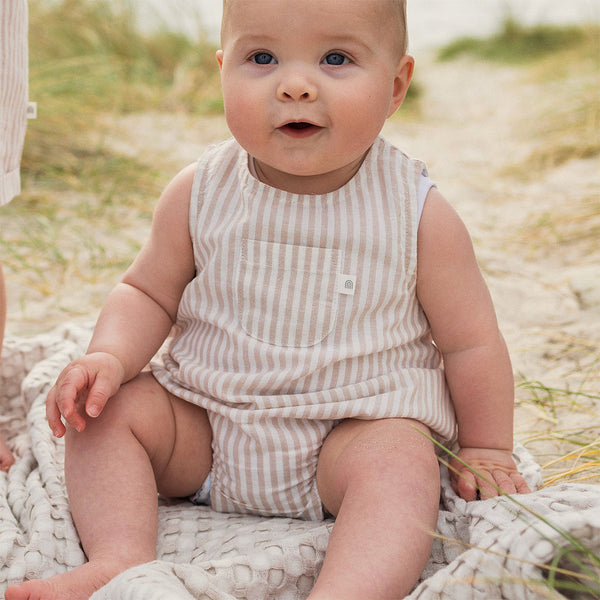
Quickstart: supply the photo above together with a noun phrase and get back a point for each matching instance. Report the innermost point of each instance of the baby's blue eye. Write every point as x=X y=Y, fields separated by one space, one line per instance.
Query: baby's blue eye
x=263 y=58
x=336 y=59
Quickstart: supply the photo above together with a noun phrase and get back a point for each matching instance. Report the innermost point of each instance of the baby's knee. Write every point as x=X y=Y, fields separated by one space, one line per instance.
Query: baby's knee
x=389 y=463
x=398 y=467
x=394 y=451
x=140 y=401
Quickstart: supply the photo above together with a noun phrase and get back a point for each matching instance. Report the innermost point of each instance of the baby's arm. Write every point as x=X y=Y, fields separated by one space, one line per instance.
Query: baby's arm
x=463 y=322
x=136 y=318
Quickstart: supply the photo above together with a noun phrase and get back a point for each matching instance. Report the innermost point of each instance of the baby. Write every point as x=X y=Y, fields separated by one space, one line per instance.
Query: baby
x=308 y=265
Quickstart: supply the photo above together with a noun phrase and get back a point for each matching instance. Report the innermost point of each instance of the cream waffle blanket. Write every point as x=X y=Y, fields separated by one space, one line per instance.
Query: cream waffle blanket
x=485 y=550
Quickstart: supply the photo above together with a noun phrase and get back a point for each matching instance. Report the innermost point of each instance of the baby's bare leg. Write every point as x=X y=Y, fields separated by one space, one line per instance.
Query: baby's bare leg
x=381 y=481
x=145 y=440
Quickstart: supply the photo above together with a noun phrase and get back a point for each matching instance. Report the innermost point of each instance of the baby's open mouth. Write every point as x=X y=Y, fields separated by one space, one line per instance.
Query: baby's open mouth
x=301 y=125
x=300 y=128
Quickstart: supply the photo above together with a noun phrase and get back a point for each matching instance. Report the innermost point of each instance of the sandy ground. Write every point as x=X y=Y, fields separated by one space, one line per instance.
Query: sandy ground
x=477 y=122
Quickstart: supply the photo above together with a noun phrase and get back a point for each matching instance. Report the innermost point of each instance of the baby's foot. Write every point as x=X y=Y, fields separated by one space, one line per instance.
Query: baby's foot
x=78 y=584
x=6 y=456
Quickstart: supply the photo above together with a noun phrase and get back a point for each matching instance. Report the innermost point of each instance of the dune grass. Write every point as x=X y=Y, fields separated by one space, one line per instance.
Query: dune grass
x=566 y=61
x=88 y=59
x=575 y=570
x=518 y=44
x=89 y=63
x=574 y=228
x=566 y=454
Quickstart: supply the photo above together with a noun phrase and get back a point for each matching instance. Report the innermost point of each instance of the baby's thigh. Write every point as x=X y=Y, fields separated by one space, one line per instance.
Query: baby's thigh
x=385 y=458
x=174 y=433
x=190 y=460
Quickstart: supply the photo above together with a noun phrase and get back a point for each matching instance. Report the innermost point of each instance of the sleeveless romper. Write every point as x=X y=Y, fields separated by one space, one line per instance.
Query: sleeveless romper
x=302 y=312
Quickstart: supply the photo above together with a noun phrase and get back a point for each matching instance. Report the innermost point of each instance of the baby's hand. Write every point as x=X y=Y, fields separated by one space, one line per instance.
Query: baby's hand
x=494 y=472
x=87 y=384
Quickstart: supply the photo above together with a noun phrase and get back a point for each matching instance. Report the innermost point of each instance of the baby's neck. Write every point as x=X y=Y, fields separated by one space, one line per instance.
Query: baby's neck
x=320 y=183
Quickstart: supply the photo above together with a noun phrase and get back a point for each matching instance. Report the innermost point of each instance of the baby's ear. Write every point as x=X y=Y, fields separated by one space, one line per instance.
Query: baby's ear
x=404 y=73
x=220 y=58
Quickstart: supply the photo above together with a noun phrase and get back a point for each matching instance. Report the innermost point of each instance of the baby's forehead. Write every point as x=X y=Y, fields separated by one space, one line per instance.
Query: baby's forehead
x=377 y=6
x=383 y=13
x=379 y=12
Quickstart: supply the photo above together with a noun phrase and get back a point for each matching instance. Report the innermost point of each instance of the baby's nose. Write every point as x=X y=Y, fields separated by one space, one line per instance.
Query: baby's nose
x=296 y=85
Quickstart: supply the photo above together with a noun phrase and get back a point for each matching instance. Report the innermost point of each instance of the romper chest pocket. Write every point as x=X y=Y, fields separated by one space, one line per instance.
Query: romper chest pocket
x=286 y=294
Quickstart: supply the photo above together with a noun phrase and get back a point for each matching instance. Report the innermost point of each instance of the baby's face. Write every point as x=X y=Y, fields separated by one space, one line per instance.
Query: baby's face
x=308 y=84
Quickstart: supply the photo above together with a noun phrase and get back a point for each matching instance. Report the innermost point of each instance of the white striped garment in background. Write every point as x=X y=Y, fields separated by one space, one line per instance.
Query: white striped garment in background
x=13 y=94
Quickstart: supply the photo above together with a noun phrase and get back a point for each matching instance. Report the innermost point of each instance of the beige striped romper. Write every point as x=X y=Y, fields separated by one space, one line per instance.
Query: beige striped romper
x=13 y=94
x=303 y=311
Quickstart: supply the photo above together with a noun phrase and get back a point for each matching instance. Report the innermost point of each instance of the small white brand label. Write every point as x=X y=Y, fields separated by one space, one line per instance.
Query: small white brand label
x=32 y=110
x=346 y=284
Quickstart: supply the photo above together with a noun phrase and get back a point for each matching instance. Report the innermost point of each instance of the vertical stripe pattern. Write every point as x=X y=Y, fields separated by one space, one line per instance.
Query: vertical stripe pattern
x=275 y=349
x=13 y=94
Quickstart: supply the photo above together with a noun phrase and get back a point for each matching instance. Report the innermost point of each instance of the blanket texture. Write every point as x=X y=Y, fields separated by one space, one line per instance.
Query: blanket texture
x=484 y=550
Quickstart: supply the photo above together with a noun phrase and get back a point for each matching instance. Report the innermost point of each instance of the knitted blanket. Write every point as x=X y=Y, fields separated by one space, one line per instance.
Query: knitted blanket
x=485 y=550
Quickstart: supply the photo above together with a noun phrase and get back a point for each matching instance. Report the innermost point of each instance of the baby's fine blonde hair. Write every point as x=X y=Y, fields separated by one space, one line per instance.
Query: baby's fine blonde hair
x=398 y=7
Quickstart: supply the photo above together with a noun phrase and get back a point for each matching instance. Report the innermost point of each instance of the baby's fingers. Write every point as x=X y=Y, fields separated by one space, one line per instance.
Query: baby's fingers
x=499 y=482
x=521 y=486
x=62 y=400
x=502 y=482
x=102 y=390
x=53 y=414
x=58 y=408
x=471 y=486
x=464 y=484
x=488 y=486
